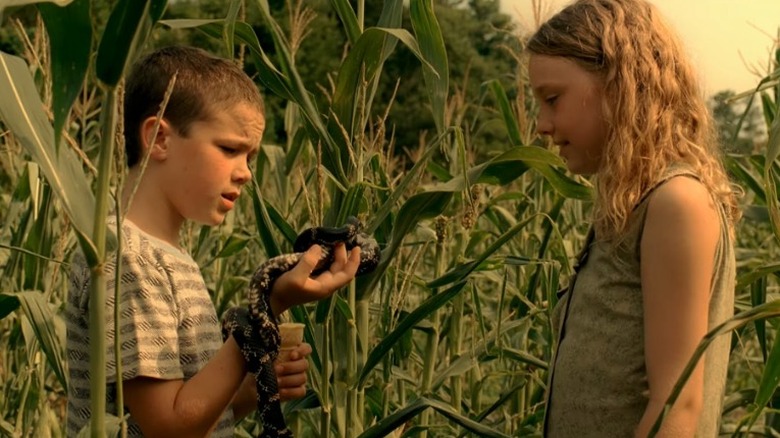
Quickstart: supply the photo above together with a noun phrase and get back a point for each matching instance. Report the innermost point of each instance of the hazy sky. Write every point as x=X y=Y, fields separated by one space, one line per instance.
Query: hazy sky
x=722 y=36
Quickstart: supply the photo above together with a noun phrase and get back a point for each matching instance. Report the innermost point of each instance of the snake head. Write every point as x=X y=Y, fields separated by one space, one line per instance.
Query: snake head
x=350 y=235
x=328 y=236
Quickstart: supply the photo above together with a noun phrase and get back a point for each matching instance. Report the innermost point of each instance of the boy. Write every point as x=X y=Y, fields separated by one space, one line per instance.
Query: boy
x=179 y=378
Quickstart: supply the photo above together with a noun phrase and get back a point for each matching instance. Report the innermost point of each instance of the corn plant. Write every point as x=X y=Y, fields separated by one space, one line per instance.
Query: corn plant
x=451 y=336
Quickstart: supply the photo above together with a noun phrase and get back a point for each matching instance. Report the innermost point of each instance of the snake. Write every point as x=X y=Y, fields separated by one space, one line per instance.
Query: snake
x=255 y=328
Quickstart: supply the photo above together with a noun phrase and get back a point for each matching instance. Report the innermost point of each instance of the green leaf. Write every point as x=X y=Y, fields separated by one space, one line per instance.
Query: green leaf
x=9 y=3
x=21 y=110
x=348 y=19
x=410 y=177
x=435 y=70
x=773 y=151
x=234 y=244
x=228 y=34
x=513 y=163
x=423 y=311
x=268 y=74
x=400 y=417
x=744 y=177
x=461 y=271
x=745 y=280
x=300 y=94
x=363 y=62
x=280 y=224
x=501 y=170
x=264 y=223
x=49 y=335
x=468 y=360
x=70 y=41
x=769 y=381
x=8 y=303
x=125 y=32
x=420 y=206
x=297 y=145
x=758 y=292
x=510 y=120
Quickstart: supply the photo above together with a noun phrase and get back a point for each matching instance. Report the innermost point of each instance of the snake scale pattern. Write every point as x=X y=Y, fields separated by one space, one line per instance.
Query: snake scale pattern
x=255 y=328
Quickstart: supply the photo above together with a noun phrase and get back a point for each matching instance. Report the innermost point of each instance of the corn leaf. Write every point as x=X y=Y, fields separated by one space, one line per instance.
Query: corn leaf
x=460 y=272
x=400 y=417
x=510 y=120
x=422 y=312
x=8 y=304
x=348 y=18
x=466 y=361
x=773 y=151
x=264 y=223
x=513 y=163
x=36 y=308
x=435 y=69
x=769 y=382
x=22 y=112
x=129 y=26
x=742 y=175
x=229 y=29
x=70 y=41
x=421 y=206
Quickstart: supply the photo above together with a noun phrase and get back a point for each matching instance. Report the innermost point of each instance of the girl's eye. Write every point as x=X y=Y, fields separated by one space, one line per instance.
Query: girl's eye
x=551 y=99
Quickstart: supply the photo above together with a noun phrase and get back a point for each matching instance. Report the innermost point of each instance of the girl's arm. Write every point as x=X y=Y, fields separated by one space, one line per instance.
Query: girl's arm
x=677 y=261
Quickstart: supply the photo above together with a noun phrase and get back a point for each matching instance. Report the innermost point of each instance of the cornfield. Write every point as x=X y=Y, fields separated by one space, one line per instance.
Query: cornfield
x=451 y=335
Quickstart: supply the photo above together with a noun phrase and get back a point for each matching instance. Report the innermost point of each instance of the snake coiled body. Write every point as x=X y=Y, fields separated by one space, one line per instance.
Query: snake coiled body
x=255 y=328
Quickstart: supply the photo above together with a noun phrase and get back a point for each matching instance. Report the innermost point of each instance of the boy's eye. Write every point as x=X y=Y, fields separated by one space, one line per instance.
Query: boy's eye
x=551 y=99
x=228 y=150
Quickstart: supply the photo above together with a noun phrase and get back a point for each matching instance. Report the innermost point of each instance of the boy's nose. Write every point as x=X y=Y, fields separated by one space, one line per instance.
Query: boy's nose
x=242 y=174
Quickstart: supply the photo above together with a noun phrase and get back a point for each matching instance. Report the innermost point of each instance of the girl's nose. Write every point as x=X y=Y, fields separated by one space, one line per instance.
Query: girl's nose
x=543 y=125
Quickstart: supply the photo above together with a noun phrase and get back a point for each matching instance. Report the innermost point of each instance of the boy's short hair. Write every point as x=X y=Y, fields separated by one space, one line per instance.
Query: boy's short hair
x=204 y=84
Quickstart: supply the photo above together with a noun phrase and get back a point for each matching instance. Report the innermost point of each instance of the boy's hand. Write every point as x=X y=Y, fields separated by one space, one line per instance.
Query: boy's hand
x=297 y=287
x=291 y=374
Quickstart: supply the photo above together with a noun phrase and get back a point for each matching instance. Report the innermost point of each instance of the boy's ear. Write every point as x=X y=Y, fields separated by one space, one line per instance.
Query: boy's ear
x=157 y=143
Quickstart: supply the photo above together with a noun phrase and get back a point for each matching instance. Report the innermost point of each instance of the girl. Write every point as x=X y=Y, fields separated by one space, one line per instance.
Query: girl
x=619 y=98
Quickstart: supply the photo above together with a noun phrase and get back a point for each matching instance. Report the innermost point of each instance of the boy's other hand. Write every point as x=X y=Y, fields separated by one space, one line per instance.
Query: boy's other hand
x=291 y=373
x=297 y=287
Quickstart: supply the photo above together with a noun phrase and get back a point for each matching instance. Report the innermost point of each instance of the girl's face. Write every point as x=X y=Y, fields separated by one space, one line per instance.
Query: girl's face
x=570 y=110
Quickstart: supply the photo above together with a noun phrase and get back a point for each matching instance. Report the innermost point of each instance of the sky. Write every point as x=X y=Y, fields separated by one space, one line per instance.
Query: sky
x=725 y=38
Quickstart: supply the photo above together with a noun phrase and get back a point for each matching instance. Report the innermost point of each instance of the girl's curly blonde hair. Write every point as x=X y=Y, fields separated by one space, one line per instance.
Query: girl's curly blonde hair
x=655 y=112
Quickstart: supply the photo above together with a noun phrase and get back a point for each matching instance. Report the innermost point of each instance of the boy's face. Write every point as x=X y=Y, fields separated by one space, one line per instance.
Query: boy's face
x=570 y=110
x=203 y=172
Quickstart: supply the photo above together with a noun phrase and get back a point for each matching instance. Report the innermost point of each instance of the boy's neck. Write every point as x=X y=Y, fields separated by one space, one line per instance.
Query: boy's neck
x=149 y=211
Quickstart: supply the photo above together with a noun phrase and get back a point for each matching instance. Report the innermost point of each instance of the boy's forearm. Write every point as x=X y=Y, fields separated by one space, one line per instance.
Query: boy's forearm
x=191 y=408
x=245 y=401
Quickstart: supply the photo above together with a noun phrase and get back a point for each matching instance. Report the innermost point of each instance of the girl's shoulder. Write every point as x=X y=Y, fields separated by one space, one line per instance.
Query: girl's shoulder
x=682 y=207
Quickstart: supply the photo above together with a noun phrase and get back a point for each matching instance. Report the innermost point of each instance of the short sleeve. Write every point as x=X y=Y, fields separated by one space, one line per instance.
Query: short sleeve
x=148 y=321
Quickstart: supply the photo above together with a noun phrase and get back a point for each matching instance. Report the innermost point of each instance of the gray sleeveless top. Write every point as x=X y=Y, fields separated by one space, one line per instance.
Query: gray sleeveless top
x=597 y=383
